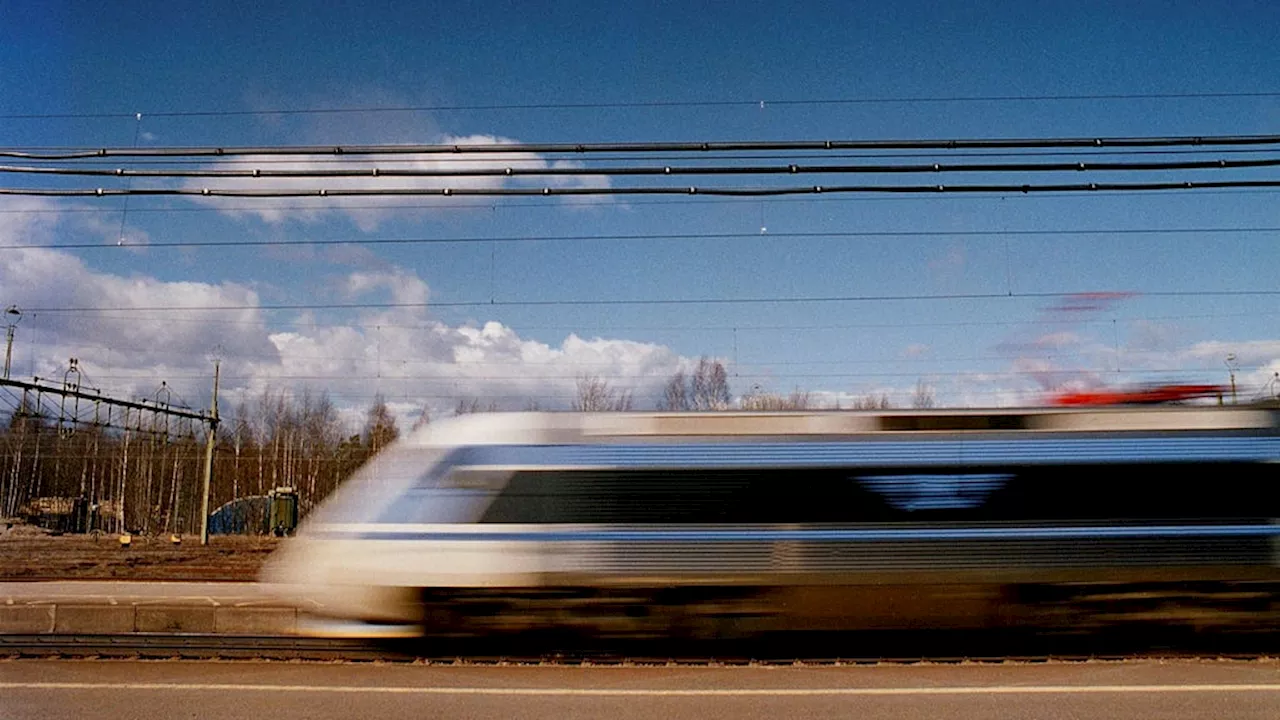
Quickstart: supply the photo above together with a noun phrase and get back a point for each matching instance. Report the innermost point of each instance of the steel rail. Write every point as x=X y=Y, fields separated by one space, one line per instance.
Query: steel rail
x=888 y=647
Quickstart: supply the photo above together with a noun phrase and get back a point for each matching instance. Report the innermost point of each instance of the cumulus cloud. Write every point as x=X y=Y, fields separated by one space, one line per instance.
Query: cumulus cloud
x=416 y=361
x=435 y=365
x=110 y=328
x=1246 y=352
x=1058 y=340
x=403 y=287
x=1149 y=336
x=367 y=213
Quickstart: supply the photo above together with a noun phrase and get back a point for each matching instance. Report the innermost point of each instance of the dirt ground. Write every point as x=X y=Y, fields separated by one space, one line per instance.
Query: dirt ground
x=29 y=553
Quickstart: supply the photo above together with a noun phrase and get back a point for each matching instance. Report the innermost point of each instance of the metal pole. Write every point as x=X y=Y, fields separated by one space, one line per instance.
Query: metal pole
x=13 y=315
x=8 y=350
x=1231 y=368
x=210 y=439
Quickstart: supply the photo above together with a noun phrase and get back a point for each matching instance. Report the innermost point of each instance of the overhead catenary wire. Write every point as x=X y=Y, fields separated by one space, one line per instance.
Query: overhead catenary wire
x=945 y=297
x=123 y=313
x=1041 y=352
x=649 y=171
x=759 y=103
x=1093 y=152
x=464 y=369
x=476 y=304
x=623 y=237
x=649 y=147
x=387 y=376
x=628 y=191
x=434 y=204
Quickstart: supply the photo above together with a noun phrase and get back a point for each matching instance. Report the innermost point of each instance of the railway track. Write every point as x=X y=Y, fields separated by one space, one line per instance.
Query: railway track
x=896 y=648
x=147 y=645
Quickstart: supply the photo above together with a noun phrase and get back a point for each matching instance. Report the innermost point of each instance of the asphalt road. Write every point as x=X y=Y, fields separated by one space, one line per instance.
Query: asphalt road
x=39 y=689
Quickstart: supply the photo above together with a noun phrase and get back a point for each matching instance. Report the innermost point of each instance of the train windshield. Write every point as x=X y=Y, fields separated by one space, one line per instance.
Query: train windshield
x=378 y=482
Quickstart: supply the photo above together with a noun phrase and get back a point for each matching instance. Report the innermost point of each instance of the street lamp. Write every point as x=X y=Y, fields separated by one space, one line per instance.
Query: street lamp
x=12 y=316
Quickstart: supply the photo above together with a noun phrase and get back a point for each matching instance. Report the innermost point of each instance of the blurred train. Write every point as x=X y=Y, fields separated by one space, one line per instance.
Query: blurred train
x=1146 y=395
x=734 y=524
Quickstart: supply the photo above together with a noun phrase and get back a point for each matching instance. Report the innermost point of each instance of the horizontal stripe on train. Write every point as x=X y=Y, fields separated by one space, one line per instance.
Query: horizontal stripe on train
x=818 y=535
x=877 y=453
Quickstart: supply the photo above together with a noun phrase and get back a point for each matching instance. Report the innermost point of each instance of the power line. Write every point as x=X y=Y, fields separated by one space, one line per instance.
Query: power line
x=659 y=237
x=386 y=377
x=95 y=397
x=630 y=191
x=569 y=202
x=707 y=156
x=651 y=104
x=1054 y=353
x=638 y=301
x=650 y=147
x=463 y=370
x=740 y=366
x=650 y=171
x=130 y=314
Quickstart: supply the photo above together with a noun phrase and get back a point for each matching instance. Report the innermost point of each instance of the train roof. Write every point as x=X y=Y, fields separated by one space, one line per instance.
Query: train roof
x=571 y=427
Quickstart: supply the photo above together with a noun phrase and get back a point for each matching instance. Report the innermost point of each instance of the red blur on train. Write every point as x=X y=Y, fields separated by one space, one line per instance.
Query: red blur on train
x=1150 y=395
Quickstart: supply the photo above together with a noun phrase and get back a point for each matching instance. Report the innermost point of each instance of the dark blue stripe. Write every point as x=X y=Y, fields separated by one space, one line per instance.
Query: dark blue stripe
x=883 y=453
x=852 y=535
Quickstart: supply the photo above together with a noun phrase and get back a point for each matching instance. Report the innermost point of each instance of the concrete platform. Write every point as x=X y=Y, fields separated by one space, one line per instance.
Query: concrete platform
x=93 y=608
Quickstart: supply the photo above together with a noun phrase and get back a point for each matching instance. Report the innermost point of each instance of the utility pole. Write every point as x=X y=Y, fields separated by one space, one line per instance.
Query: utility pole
x=13 y=315
x=1231 y=368
x=210 y=440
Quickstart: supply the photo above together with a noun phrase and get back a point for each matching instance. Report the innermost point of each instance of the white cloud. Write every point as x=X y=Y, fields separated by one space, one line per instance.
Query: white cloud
x=367 y=213
x=1247 y=352
x=27 y=221
x=405 y=354
x=1056 y=340
x=118 y=342
x=432 y=364
x=403 y=287
x=418 y=361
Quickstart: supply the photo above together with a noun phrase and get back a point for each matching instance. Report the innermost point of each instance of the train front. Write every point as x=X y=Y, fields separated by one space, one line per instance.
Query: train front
x=361 y=561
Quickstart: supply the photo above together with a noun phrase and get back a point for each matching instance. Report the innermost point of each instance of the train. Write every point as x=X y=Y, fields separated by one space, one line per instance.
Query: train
x=728 y=524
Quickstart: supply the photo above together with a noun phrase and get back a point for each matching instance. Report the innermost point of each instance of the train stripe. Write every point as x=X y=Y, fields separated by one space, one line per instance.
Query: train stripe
x=1102 y=532
x=879 y=453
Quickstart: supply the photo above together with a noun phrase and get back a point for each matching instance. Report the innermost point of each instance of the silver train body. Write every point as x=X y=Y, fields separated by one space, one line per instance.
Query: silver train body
x=728 y=524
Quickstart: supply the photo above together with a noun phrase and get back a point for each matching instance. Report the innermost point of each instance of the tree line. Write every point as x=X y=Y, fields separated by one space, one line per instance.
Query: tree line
x=147 y=478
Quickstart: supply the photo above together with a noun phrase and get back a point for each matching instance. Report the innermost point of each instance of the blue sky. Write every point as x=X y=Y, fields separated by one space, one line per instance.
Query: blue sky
x=74 y=74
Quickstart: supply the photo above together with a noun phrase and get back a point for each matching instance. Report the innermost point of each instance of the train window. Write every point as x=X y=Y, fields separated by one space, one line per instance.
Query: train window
x=467 y=478
x=953 y=491
x=860 y=495
x=952 y=422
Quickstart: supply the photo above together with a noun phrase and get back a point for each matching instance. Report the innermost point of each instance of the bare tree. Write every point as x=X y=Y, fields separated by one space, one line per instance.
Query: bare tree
x=468 y=406
x=710 y=386
x=923 y=397
x=140 y=474
x=872 y=402
x=380 y=429
x=774 y=402
x=595 y=395
x=676 y=394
